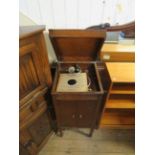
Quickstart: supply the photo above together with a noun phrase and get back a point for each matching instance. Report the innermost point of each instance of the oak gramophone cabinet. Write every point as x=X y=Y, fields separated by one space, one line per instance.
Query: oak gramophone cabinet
x=77 y=53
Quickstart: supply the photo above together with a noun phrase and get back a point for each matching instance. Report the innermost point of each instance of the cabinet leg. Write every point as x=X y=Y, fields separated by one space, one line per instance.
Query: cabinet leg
x=91 y=132
x=59 y=132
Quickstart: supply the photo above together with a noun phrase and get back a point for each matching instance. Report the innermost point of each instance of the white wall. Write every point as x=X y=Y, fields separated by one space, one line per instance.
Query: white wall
x=26 y=21
x=74 y=14
x=78 y=13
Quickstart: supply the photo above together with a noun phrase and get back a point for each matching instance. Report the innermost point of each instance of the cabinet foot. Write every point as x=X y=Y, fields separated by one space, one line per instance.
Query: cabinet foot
x=91 y=132
x=59 y=133
x=90 y=135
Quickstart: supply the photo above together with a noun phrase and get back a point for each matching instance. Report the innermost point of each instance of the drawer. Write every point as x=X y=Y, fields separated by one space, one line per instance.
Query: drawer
x=33 y=108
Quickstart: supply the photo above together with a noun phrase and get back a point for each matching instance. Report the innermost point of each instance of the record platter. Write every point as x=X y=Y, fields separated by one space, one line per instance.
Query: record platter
x=74 y=82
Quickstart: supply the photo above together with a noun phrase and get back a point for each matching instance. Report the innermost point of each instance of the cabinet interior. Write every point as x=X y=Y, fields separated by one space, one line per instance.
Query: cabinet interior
x=89 y=67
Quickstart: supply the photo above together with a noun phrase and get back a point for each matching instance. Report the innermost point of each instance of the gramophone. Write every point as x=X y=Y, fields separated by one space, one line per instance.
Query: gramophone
x=77 y=91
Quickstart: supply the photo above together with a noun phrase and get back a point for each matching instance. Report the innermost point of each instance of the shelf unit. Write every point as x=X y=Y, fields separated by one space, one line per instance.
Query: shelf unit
x=123 y=88
x=117 y=53
x=119 y=111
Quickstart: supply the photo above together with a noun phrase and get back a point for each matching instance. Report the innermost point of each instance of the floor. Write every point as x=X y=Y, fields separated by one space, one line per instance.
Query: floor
x=103 y=142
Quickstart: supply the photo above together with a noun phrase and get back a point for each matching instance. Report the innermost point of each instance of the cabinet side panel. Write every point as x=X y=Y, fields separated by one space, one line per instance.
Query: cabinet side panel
x=40 y=128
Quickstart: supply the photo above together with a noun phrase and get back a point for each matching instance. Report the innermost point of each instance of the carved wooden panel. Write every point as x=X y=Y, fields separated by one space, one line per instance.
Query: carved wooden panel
x=23 y=150
x=30 y=74
x=40 y=129
x=33 y=108
x=29 y=147
x=34 y=84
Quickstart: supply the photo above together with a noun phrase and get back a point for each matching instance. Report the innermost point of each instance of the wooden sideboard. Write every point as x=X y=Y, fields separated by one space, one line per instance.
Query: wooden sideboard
x=34 y=84
x=117 y=53
x=120 y=103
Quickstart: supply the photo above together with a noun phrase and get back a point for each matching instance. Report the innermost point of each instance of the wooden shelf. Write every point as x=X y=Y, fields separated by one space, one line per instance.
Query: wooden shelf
x=122 y=91
x=121 y=72
x=117 y=126
x=118 y=48
x=123 y=88
x=117 y=53
x=118 y=120
x=120 y=104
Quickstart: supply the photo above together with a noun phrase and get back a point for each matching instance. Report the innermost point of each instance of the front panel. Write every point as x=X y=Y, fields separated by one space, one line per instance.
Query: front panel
x=40 y=128
x=30 y=73
x=86 y=112
x=66 y=113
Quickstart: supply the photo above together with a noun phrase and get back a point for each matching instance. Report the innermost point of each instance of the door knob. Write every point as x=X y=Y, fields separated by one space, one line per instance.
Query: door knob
x=80 y=116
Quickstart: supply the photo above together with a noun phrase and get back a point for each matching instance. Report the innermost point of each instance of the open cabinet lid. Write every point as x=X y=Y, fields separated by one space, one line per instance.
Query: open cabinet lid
x=77 y=45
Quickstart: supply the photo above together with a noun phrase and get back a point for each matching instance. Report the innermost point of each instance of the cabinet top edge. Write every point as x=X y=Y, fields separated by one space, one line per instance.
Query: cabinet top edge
x=26 y=31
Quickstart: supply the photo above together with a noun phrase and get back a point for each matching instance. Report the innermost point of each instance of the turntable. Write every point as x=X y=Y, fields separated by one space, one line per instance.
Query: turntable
x=77 y=91
x=73 y=82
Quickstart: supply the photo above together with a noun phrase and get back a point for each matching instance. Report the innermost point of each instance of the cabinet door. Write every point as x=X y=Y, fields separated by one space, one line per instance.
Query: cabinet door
x=86 y=113
x=66 y=113
x=30 y=74
x=40 y=129
x=27 y=145
x=23 y=150
x=32 y=137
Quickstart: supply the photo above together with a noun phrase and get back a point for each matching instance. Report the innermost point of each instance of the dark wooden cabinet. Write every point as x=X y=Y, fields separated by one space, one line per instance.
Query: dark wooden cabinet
x=76 y=113
x=34 y=85
x=78 y=48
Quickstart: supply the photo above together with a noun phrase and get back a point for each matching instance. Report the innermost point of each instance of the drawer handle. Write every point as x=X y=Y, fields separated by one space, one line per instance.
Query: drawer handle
x=80 y=116
x=73 y=116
